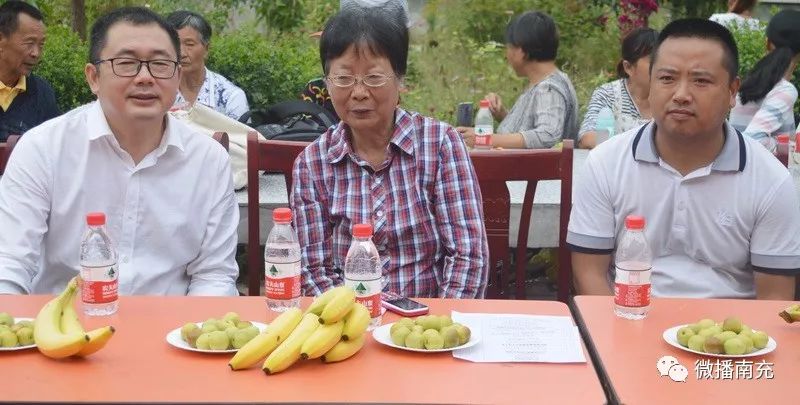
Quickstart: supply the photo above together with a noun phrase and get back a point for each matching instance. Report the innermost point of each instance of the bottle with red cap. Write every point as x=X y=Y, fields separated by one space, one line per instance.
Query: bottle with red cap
x=782 y=149
x=794 y=154
x=99 y=271
x=282 y=263
x=484 y=126
x=634 y=264
x=363 y=272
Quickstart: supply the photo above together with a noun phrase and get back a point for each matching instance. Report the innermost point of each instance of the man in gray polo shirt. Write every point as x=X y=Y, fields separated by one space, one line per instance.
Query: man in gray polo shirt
x=722 y=213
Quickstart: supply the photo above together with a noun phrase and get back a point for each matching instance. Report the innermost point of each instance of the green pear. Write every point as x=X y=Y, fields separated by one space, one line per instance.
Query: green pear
x=399 y=335
x=433 y=340
x=241 y=337
x=706 y=323
x=232 y=317
x=748 y=341
x=243 y=324
x=684 y=334
x=732 y=324
x=760 y=340
x=6 y=319
x=445 y=321
x=188 y=328
x=735 y=346
x=202 y=342
x=414 y=340
x=696 y=343
x=713 y=345
x=724 y=336
x=25 y=336
x=463 y=334
x=8 y=339
x=192 y=335
x=218 y=340
x=450 y=337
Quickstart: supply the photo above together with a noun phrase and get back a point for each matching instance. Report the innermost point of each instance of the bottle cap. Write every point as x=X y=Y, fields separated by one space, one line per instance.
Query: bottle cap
x=96 y=218
x=282 y=215
x=783 y=138
x=634 y=222
x=362 y=230
x=485 y=103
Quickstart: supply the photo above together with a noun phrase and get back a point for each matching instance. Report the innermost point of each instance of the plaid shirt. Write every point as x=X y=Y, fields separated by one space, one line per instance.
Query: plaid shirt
x=423 y=203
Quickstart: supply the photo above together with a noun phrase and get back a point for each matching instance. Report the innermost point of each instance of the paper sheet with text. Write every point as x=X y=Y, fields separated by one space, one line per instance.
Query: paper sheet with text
x=508 y=338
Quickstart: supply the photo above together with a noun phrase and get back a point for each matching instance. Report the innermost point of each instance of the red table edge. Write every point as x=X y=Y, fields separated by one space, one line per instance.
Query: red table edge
x=602 y=374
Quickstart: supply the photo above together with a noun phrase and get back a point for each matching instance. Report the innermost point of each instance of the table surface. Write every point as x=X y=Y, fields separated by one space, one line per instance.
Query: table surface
x=139 y=366
x=628 y=351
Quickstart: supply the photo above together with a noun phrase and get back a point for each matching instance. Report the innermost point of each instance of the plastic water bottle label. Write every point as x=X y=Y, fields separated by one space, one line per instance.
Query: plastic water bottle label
x=368 y=293
x=100 y=285
x=282 y=280
x=483 y=135
x=634 y=292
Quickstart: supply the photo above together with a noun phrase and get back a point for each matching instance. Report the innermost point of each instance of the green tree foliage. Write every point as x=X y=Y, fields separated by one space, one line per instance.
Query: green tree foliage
x=62 y=65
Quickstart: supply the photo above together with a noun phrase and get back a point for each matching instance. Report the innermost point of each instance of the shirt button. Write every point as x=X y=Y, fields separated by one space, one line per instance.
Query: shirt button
x=379 y=213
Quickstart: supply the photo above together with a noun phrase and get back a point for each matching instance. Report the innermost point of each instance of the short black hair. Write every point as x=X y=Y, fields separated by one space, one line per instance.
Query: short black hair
x=380 y=32
x=183 y=18
x=740 y=6
x=9 y=15
x=637 y=44
x=132 y=15
x=702 y=29
x=536 y=33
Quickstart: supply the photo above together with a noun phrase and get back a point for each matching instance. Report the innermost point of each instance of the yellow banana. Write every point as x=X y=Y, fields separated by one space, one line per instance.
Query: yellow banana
x=70 y=322
x=289 y=351
x=321 y=301
x=47 y=334
x=338 y=306
x=356 y=322
x=344 y=350
x=97 y=340
x=322 y=340
x=263 y=344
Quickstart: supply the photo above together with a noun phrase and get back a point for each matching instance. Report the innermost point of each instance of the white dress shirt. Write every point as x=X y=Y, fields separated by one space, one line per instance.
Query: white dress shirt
x=172 y=217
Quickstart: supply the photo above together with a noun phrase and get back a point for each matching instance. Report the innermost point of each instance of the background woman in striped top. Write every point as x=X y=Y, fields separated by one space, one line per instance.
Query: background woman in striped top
x=627 y=96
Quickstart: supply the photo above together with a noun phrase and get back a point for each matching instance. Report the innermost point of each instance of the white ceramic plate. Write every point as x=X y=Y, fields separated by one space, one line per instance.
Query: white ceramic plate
x=174 y=338
x=670 y=336
x=12 y=349
x=382 y=335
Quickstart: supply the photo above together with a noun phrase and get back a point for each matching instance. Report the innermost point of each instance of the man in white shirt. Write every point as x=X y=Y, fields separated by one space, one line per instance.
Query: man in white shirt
x=175 y=233
x=722 y=213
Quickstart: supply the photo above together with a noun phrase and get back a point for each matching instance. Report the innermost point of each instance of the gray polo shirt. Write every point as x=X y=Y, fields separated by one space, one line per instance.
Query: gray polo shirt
x=708 y=230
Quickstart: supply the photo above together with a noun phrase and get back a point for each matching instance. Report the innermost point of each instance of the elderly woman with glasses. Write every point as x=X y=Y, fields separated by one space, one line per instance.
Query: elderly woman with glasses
x=198 y=84
x=407 y=175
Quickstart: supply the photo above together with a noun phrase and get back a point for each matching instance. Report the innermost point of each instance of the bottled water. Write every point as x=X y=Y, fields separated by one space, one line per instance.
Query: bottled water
x=99 y=271
x=484 y=127
x=794 y=156
x=363 y=272
x=604 y=126
x=282 y=263
x=634 y=263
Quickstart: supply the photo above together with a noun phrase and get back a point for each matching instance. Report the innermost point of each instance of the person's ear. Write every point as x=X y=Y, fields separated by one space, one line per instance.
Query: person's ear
x=92 y=77
x=734 y=89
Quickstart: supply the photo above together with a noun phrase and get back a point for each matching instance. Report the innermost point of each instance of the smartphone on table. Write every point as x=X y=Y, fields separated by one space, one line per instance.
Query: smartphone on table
x=403 y=305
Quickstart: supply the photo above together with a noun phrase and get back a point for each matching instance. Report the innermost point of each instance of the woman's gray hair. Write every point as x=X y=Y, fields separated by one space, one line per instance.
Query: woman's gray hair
x=183 y=18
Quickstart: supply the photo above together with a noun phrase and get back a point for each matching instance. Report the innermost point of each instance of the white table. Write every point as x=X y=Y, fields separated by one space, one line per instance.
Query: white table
x=543 y=231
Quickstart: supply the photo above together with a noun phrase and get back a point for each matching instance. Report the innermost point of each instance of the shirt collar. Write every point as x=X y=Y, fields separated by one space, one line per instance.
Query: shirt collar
x=402 y=137
x=22 y=84
x=732 y=158
x=98 y=127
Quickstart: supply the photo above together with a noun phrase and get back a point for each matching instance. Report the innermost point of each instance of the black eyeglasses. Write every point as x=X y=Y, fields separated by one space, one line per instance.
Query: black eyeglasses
x=130 y=67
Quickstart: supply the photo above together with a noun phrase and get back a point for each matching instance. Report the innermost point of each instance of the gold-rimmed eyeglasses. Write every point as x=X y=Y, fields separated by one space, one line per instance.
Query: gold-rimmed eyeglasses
x=371 y=80
x=130 y=67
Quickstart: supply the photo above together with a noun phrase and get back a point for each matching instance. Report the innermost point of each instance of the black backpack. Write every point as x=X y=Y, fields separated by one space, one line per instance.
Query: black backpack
x=295 y=120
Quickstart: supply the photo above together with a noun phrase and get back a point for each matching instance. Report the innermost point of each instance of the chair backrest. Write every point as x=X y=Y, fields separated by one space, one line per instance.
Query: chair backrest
x=222 y=138
x=493 y=169
x=5 y=150
x=271 y=157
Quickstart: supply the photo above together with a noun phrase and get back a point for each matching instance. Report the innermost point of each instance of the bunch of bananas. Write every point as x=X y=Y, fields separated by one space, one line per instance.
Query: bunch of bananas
x=331 y=329
x=57 y=329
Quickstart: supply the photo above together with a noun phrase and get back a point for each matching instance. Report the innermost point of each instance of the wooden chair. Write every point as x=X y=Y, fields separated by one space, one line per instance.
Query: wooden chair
x=271 y=157
x=5 y=151
x=493 y=169
x=222 y=138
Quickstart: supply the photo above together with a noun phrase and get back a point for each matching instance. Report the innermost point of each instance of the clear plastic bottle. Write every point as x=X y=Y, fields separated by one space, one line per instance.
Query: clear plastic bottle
x=794 y=156
x=282 y=263
x=484 y=126
x=782 y=149
x=99 y=271
x=634 y=264
x=604 y=127
x=363 y=271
